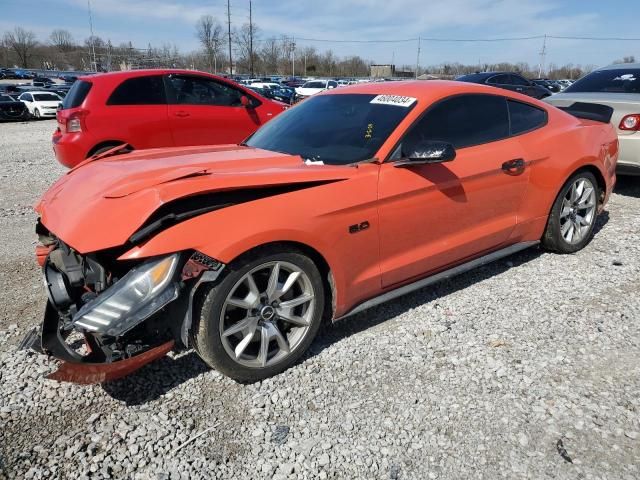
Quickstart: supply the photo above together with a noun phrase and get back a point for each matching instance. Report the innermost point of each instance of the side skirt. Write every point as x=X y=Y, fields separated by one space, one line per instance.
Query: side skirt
x=452 y=272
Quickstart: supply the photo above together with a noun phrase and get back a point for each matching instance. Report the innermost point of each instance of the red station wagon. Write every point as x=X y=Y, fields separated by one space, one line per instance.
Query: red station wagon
x=155 y=108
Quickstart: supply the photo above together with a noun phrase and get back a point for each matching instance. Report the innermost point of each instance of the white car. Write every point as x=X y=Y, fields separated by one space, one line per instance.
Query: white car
x=41 y=104
x=267 y=85
x=313 y=87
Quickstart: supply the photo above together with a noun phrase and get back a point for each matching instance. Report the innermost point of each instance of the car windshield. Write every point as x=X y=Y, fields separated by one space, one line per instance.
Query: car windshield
x=622 y=80
x=46 y=97
x=315 y=85
x=5 y=98
x=334 y=129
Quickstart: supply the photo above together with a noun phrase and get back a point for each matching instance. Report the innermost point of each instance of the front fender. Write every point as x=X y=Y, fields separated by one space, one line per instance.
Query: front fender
x=320 y=217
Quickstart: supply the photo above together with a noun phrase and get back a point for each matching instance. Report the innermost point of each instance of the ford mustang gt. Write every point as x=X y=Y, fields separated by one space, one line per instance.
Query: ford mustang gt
x=349 y=199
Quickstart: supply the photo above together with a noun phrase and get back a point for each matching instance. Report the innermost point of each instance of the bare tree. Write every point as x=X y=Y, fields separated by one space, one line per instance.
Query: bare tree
x=245 y=39
x=270 y=54
x=23 y=43
x=62 y=40
x=209 y=32
x=628 y=59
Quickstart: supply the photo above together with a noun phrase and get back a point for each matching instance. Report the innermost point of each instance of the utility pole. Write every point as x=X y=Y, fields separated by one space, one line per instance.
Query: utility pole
x=250 y=41
x=93 y=40
x=229 y=24
x=543 y=53
x=293 y=57
x=418 y=59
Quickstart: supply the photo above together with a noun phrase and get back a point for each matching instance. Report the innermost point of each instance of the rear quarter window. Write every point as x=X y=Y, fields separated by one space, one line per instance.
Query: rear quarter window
x=139 y=91
x=76 y=95
x=524 y=117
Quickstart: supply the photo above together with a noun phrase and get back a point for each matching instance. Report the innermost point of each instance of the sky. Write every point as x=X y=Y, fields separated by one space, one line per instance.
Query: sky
x=172 y=21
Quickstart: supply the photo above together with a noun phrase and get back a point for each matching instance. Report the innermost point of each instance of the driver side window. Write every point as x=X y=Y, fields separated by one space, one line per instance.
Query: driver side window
x=462 y=121
x=186 y=90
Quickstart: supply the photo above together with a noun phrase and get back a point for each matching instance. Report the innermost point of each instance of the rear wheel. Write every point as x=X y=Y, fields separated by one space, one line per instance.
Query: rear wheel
x=261 y=317
x=573 y=216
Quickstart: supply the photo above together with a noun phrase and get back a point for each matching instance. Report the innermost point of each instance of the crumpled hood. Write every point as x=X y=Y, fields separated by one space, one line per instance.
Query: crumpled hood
x=100 y=204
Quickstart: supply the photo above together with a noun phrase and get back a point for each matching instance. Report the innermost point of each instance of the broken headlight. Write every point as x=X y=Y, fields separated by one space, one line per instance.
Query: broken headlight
x=143 y=291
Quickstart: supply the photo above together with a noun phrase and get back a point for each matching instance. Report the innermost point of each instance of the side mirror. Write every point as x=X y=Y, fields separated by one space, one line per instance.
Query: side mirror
x=425 y=152
x=246 y=103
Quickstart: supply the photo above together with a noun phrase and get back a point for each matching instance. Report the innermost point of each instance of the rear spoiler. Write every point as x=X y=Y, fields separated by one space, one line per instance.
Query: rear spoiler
x=590 y=111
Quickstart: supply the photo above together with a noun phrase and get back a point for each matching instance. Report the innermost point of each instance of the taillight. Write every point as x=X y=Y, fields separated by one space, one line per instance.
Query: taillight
x=630 y=122
x=74 y=125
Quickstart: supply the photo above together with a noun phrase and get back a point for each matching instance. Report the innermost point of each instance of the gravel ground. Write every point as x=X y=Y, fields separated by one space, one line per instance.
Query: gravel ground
x=527 y=368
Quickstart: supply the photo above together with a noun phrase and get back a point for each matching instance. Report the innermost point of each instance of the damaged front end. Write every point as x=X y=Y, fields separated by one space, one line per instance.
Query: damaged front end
x=106 y=318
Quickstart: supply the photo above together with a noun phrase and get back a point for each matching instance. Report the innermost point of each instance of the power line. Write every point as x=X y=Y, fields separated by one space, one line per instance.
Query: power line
x=499 y=39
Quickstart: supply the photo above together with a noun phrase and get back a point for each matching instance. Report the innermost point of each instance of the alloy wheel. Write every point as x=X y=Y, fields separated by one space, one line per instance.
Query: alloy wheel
x=267 y=314
x=578 y=211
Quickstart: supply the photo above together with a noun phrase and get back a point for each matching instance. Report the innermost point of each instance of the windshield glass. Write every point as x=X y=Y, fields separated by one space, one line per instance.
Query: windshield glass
x=622 y=80
x=334 y=129
x=315 y=85
x=5 y=98
x=46 y=97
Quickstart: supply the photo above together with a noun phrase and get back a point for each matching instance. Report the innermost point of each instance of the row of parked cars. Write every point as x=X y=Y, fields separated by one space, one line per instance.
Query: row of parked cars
x=160 y=108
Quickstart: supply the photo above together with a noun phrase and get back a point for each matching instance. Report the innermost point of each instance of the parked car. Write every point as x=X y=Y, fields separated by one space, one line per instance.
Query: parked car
x=41 y=104
x=284 y=94
x=155 y=108
x=507 y=81
x=349 y=199
x=42 y=82
x=550 y=85
x=7 y=73
x=293 y=82
x=313 y=87
x=68 y=78
x=22 y=74
x=617 y=86
x=12 y=109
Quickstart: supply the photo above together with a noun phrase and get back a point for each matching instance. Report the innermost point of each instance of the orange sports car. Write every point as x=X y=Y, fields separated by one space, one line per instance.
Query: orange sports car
x=349 y=199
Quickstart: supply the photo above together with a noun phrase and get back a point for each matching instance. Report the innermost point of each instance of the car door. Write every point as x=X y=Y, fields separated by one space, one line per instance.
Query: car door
x=204 y=111
x=435 y=215
x=501 y=81
x=27 y=99
x=522 y=85
x=136 y=113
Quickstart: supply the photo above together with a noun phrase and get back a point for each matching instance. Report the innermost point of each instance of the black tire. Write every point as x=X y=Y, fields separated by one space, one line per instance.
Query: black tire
x=553 y=240
x=205 y=331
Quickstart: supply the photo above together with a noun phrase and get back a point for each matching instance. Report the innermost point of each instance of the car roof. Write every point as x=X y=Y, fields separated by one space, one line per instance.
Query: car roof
x=144 y=72
x=39 y=91
x=423 y=89
x=620 y=66
x=480 y=75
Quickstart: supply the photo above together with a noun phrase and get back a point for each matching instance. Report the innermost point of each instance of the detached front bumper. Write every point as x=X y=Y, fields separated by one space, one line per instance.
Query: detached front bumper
x=104 y=319
x=90 y=368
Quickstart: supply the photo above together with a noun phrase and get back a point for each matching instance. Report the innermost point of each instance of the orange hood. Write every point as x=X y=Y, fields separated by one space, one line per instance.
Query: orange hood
x=100 y=204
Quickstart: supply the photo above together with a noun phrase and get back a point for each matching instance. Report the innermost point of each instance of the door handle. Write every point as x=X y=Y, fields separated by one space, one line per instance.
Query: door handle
x=514 y=167
x=181 y=114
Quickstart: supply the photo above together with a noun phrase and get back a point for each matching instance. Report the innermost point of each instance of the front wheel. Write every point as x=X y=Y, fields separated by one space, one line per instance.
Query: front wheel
x=573 y=215
x=261 y=317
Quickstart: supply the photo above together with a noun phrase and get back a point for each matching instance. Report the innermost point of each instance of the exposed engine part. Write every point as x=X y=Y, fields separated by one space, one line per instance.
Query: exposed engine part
x=57 y=289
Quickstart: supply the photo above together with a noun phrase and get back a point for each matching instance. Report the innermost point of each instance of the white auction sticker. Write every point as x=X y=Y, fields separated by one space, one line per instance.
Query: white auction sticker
x=397 y=100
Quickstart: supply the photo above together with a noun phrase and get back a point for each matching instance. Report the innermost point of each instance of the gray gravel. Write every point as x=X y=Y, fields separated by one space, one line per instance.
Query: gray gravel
x=528 y=368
